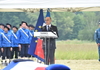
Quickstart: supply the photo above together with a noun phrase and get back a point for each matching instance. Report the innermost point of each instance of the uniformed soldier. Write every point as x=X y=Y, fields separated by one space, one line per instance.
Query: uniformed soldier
x=1 y=27
x=97 y=39
x=31 y=28
x=0 y=44
x=15 y=43
x=1 y=30
x=6 y=45
x=9 y=26
x=19 y=45
x=24 y=38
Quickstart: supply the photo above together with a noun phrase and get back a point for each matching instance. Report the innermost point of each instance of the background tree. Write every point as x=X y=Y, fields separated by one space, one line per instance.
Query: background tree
x=77 y=25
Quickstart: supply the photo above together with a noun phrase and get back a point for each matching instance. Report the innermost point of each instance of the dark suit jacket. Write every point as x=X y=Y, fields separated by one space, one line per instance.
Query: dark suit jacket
x=52 y=44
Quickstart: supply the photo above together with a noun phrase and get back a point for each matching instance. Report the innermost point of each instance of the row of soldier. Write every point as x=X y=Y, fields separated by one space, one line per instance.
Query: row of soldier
x=15 y=41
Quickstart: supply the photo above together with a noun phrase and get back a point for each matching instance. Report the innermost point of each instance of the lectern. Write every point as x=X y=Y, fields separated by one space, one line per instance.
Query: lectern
x=46 y=35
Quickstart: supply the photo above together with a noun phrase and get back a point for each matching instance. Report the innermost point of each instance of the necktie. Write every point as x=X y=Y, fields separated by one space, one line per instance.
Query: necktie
x=48 y=28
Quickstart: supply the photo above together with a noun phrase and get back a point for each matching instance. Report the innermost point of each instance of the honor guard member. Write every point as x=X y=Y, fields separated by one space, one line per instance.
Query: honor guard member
x=24 y=37
x=31 y=28
x=97 y=39
x=0 y=44
x=9 y=26
x=1 y=27
x=1 y=30
x=50 y=46
x=19 y=45
x=15 y=43
x=6 y=45
x=0 y=41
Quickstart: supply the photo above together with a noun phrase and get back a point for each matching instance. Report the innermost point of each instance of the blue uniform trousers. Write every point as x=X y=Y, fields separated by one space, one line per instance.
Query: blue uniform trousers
x=24 y=50
x=99 y=52
x=14 y=52
x=6 y=53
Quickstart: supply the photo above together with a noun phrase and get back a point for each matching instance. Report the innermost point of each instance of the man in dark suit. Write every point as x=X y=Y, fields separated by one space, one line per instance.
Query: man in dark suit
x=49 y=44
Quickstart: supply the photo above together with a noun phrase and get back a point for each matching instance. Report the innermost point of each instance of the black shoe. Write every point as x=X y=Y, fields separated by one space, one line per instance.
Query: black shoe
x=1 y=62
x=9 y=61
x=6 y=63
x=99 y=60
x=39 y=61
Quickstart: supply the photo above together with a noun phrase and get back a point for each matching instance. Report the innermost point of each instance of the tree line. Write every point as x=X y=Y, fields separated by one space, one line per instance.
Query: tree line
x=71 y=25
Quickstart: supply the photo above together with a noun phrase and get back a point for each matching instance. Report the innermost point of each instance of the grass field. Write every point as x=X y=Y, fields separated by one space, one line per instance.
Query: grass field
x=76 y=50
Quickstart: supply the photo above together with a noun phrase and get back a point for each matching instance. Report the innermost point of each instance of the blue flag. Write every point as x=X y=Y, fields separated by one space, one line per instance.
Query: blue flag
x=48 y=13
x=33 y=44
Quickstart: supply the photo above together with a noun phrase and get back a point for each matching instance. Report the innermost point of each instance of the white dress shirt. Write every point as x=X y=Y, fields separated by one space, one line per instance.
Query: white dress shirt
x=48 y=26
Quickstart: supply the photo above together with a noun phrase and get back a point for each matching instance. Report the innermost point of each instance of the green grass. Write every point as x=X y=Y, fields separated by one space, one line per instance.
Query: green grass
x=76 y=50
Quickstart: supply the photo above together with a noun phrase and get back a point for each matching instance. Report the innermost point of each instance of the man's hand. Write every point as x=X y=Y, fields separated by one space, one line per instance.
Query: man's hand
x=98 y=44
x=28 y=46
x=11 y=49
x=2 y=49
x=19 y=47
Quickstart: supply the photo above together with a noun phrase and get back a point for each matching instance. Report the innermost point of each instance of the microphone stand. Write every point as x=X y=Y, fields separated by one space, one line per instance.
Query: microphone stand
x=48 y=46
x=45 y=50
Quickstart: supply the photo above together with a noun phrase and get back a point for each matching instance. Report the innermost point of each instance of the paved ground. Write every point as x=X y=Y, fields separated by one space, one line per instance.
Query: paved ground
x=78 y=64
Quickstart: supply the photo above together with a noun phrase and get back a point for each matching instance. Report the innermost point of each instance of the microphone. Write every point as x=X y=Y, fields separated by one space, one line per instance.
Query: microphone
x=52 y=30
x=43 y=27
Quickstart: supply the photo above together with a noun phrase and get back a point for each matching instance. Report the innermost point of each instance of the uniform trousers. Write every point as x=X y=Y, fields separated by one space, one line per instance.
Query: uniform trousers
x=99 y=52
x=15 y=52
x=24 y=50
x=0 y=52
x=6 y=53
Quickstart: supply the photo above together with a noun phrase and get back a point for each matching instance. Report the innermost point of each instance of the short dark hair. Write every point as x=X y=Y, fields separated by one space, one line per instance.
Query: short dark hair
x=9 y=24
x=31 y=26
x=24 y=22
x=19 y=24
x=2 y=24
x=6 y=27
x=15 y=27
